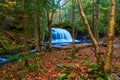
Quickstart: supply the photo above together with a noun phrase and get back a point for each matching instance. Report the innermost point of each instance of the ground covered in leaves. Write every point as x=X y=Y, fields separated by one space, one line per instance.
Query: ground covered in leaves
x=59 y=65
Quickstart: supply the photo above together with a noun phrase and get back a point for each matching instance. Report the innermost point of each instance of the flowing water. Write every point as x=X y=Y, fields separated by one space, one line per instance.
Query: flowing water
x=60 y=37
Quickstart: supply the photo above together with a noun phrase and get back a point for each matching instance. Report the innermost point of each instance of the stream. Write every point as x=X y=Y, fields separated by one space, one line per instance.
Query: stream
x=60 y=38
x=4 y=58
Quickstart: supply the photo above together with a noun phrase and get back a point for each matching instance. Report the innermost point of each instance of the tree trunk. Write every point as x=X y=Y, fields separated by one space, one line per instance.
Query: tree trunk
x=95 y=16
x=50 y=19
x=59 y=13
x=94 y=41
x=49 y=33
x=25 y=31
x=36 y=25
x=111 y=31
x=76 y=34
x=73 y=28
x=39 y=29
x=97 y=20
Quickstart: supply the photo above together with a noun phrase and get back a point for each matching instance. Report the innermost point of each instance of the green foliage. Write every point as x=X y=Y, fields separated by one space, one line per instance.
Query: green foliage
x=65 y=75
x=7 y=76
x=7 y=13
x=99 y=78
x=33 y=67
x=118 y=25
x=16 y=58
x=93 y=69
x=12 y=19
x=83 y=76
x=66 y=69
x=60 y=66
x=105 y=76
x=22 y=77
x=11 y=15
x=17 y=68
x=4 y=44
x=87 y=62
x=7 y=47
x=22 y=57
x=62 y=76
x=95 y=73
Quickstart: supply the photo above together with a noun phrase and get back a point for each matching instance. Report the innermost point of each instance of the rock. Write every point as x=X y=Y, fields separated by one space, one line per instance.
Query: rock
x=116 y=44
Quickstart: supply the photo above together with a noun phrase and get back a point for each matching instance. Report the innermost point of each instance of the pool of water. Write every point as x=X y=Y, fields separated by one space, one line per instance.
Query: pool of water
x=60 y=44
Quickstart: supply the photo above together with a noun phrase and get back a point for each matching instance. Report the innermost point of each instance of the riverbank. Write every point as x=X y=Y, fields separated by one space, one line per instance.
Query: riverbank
x=58 y=63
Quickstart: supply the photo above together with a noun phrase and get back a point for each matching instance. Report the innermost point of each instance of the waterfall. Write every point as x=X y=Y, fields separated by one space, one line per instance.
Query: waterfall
x=61 y=36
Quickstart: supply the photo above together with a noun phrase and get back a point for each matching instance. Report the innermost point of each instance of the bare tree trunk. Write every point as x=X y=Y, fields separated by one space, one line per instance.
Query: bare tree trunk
x=111 y=31
x=76 y=34
x=50 y=19
x=25 y=31
x=49 y=33
x=36 y=25
x=39 y=28
x=59 y=13
x=97 y=19
x=94 y=41
x=73 y=28
x=95 y=16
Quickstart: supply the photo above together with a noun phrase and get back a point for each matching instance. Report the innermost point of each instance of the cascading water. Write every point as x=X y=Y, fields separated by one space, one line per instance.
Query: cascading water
x=59 y=38
x=60 y=35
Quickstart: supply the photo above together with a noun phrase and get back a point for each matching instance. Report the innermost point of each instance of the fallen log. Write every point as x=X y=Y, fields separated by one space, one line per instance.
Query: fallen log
x=13 y=37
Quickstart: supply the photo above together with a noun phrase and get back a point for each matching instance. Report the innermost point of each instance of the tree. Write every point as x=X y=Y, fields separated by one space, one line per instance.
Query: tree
x=36 y=25
x=94 y=41
x=59 y=13
x=111 y=31
x=50 y=10
x=73 y=27
x=6 y=13
x=97 y=19
x=25 y=31
x=95 y=16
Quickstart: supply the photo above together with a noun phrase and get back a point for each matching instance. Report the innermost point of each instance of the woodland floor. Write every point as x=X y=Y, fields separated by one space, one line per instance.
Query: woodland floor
x=57 y=63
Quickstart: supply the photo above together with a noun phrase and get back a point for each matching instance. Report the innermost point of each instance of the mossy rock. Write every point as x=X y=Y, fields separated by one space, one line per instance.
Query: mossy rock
x=6 y=47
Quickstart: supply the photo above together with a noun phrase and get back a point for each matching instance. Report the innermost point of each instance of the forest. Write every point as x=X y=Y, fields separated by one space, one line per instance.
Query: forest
x=59 y=39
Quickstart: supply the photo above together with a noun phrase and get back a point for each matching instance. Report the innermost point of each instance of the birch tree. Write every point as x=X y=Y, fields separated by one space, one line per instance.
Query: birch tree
x=94 y=41
x=111 y=34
